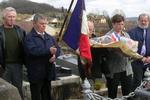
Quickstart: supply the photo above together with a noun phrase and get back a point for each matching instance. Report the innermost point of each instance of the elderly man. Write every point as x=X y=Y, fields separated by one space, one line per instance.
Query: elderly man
x=41 y=51
x=11 y=49
x=141 y=33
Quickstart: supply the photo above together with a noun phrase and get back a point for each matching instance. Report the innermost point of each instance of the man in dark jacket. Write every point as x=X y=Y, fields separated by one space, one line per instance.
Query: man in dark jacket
x=11 y=49
x=41 y=51
x=141 y=33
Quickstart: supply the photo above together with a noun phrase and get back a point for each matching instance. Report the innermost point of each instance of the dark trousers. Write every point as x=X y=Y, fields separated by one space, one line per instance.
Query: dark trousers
x=96 y=71
x=113 y=83
x=138 y=73
x=81 y=69
x=41 y=90
x=13 y=74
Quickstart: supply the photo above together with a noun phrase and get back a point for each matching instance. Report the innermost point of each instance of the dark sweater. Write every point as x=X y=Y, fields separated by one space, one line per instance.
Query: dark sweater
x=13 y=53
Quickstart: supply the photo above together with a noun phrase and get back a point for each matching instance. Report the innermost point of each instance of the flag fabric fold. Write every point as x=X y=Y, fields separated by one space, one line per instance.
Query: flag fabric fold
x=76 y=34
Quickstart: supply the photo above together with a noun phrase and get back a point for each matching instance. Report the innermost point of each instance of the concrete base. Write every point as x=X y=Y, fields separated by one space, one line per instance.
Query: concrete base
x=65 y=88
x=26 y=89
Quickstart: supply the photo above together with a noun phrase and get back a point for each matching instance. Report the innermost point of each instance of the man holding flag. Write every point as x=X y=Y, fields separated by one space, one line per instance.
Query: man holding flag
x=76 y=37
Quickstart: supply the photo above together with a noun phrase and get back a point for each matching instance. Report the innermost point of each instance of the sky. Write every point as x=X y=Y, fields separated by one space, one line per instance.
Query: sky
x=131 y=8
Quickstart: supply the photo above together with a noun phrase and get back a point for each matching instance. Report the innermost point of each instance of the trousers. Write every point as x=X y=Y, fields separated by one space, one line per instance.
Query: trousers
x=119 y=79
x=41 y=90
x=14 y=75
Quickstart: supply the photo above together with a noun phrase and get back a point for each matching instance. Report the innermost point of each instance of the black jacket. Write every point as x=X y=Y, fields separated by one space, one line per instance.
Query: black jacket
x=20 y=33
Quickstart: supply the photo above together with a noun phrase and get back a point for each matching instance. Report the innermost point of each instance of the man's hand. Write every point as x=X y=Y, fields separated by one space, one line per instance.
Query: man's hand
x=52 y=59
x=53 y=50
x=148 y=59
x=144 y=59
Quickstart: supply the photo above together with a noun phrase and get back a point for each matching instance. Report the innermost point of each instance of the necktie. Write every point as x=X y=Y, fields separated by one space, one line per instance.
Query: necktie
x=143 y=50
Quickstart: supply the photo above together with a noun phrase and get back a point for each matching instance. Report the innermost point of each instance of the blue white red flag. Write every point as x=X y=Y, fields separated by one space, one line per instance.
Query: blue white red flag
x=114 y=37
x=76 y=35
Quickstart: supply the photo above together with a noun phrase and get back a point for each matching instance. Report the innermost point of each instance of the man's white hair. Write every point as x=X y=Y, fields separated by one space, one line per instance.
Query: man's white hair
x=144 y=14
x=7 y=10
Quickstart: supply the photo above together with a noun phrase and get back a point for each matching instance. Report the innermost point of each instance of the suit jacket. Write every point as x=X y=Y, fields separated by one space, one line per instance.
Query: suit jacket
x=137 y=35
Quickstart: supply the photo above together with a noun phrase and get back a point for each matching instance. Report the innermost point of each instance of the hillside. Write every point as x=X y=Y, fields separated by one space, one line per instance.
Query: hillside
x=29 y=7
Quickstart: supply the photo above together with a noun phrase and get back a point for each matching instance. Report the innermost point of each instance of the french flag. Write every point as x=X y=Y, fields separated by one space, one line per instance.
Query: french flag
x=76 y=34
x=114 y=37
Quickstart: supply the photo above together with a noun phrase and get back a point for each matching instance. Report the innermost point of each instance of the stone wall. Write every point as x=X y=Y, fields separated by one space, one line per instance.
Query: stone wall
x=66 y=88
x=62 y=89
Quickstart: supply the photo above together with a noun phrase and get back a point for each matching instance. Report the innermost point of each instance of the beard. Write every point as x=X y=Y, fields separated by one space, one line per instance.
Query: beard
x=143 y=26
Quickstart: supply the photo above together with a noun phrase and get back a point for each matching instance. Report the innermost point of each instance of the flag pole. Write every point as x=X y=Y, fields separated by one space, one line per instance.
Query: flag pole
x=60 y=33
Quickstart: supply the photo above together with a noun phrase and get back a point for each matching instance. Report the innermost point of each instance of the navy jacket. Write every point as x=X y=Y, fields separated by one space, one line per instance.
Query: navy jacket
x=38 y=55
x=137 y=35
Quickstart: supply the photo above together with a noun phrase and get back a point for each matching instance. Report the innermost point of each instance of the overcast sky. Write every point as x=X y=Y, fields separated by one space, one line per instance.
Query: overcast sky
x=131 y=8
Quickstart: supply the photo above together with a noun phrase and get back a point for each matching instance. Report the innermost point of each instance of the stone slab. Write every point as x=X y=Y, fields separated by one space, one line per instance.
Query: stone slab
x=8 y=91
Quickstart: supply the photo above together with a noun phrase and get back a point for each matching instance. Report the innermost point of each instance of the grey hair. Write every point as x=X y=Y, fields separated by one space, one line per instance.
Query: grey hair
x=37 y=17
x=143 y=14
x=7 y=10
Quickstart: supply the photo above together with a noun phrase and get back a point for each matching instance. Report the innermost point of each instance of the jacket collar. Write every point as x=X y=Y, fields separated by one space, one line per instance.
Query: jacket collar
x=3 y=33
x=37 y=35
x=122 y=32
